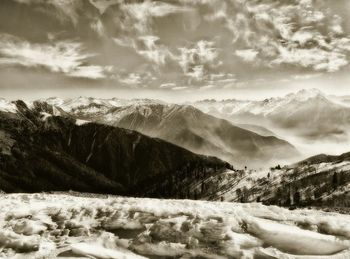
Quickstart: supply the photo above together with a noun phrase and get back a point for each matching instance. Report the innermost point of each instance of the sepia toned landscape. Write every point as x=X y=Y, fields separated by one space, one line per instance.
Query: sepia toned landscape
x=174 y=129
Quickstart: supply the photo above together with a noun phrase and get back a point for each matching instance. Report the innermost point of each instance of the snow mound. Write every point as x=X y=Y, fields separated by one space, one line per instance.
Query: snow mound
x=64 y=226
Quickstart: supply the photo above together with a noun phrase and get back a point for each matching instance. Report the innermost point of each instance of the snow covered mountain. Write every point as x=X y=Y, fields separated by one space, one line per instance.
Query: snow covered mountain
x=309 y=113
x=90 y=105
x=185 y=126
x=265 y=107
x=40 y=151
x=65 y=226
x=7 y=106
x=44 y=148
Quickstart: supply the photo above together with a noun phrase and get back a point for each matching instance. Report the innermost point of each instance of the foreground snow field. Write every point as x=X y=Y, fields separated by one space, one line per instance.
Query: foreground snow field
x=64 y=226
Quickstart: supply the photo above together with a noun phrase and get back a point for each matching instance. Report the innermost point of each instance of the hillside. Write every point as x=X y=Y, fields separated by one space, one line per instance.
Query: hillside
x=321 y=180
x=43 y=152
x=187 y=127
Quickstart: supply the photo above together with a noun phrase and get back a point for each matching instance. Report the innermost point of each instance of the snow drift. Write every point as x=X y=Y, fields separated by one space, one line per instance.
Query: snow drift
x=64 y=226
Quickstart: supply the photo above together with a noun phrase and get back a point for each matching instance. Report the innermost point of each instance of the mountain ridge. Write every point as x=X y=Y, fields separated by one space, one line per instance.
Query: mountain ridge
x=320 y=181
x=186 y=126
x=306 y=118
x=43 y=152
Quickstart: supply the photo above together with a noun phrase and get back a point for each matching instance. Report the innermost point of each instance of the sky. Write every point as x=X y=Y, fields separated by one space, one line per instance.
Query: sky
x=173 y=50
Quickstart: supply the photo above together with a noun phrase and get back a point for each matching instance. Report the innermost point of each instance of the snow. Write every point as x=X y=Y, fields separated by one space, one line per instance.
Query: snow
x=50 y=225
x=82 y=104
x=45 y=115
x=81 y=122
x=265 y=107
x=262 y=179
x=295 y=240
x=7 y=106
x=98 y=251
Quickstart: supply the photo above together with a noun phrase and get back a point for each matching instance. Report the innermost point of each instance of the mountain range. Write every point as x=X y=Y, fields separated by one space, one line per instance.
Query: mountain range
x=40 y=151
x=46 y=147
x=245 y=133
x=310 y=113
x=186 y=126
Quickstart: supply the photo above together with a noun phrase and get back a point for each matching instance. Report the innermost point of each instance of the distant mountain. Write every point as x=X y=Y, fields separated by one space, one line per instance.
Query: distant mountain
x=307 y=113
x=320 y=180
x=344 y=99
x=322 y=158
x=257 y=129
x=187 y=127
x=90 y=105
x=40 y=151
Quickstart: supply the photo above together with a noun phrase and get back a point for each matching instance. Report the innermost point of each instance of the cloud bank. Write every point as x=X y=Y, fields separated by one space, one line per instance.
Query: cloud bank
x=202 y=44
x=64 y=57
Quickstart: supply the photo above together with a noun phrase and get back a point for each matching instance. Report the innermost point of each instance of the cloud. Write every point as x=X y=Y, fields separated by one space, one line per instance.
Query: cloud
x=102 y=5
x=178 y=88
x=281 y=33
x=203 y=52
x=306 y=76
x=139 y=16
x=196 y=60
x=151 y=51
x=270 y=34
x=312 y=46
x=248 y=55
x=167 y=85
x=68 y=10
x=132 y=79
x=221 y=80
x=196 y=72
x=92 y=72
x=124 y=42
x=316 y=58
x=192 y=43
x=65 y=57
x=206 y=87
x=135 y=79
x=98 y=27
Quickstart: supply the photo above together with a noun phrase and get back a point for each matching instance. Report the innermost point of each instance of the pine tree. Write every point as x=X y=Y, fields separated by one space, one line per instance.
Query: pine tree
x=335 y=180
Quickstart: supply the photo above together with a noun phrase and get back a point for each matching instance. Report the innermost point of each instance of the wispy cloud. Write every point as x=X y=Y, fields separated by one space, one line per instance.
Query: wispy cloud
x=65 y=57
x=91 y=72
x=67 y=10
x=102 y=5
x=151 y=51
x=193 y=43
x=195 y=60
x=317 y=59
x=135 y=79
x=139 y=16
x=167 y=85
x=132 y=79
x=178 y=88
x=294 y=33
x=248 y=55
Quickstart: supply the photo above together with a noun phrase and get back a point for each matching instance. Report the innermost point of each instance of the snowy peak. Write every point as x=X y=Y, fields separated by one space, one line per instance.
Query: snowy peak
x=230 y=107
x=7 y=106
x=290 y=102
x=85 y=103
x=305 y=94
x=89 y=105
